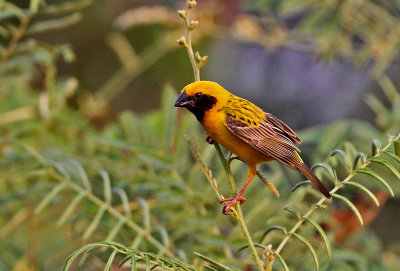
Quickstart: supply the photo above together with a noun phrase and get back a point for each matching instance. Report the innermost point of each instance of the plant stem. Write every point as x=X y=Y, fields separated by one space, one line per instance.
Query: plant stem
x=239 y=217
x=18 y=34
x=224 y=163
x=189 y=49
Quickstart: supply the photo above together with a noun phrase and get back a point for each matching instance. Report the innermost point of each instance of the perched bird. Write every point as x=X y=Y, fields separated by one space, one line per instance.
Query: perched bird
x=254 y=135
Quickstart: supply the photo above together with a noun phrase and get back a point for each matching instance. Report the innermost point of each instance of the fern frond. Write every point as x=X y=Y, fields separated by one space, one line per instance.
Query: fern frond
x=60 y=173
x=377 y=151
x=216 y=264
x=149 y=260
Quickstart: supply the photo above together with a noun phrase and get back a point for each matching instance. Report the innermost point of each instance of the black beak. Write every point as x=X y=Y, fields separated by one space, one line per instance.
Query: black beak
x=184 y=101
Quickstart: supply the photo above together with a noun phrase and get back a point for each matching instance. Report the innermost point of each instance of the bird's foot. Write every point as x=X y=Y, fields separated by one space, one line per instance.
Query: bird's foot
x=231 y=202
x=210 y=140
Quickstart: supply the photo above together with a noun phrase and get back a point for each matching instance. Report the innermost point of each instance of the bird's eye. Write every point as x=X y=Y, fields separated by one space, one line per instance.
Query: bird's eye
x=198 y=95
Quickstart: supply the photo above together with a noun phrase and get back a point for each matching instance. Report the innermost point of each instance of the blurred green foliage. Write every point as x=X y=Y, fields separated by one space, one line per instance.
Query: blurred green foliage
x=65 y=182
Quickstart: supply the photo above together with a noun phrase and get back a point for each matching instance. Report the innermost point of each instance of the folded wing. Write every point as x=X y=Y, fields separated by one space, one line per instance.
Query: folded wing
x=275 y=139
x=271 y=137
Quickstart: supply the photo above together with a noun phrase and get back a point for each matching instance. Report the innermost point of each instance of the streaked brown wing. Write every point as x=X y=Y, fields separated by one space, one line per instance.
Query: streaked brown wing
x=281 y=127
x=272 y=137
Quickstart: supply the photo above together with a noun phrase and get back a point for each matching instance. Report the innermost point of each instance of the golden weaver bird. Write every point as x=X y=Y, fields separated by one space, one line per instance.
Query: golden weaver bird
x=254 y=135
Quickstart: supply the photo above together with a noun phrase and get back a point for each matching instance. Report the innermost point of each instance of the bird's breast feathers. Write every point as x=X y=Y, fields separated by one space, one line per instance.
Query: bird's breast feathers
x=215 y=122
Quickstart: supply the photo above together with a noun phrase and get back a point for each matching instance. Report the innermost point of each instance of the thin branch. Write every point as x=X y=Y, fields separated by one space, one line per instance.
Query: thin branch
x=189 y=48
x=18 y=33
x=323 y=199
x=238 y=214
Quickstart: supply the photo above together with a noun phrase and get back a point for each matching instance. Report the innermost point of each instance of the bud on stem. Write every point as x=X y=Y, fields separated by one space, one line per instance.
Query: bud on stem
x=182 y=42
x=203 y=61
x=192 y=4
x=182 y=13
x=193 y=25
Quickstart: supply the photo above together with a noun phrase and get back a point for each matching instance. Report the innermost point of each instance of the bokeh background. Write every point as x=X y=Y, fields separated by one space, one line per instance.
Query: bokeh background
x=247 y=55
x=323 y=67
x=245 y=42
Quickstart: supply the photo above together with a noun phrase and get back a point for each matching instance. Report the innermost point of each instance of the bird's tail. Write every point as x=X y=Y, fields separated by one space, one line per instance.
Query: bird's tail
x=303 y=168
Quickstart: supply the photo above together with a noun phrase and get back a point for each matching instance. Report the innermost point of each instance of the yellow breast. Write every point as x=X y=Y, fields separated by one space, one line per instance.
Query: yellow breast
x=214 y=123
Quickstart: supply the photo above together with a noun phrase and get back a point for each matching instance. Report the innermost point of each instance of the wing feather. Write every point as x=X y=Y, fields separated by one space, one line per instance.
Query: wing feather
x=281 y=127
x=271 y=137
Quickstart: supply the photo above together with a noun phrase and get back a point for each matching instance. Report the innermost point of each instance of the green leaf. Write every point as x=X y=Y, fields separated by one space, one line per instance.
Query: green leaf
x=134 y=261
x=34 y=6
x=124 y=260
x=115 y=229
x=95 y=222
x=146 y=214
x=323 y=234
x=124 y=199
x=328 y=168
x=35 y=154
x=375 y=146
x=366 y=190
x=106 y=186
x=138 y=239
x=293 y=211
x=285 y=266
x=170 y=116
x=397 y=148
x=49 y=197
x=66 y=7
x=55 y=24
x=359 y=155
x=222 y=158
x=67 y=53
x=314 y=254
x=239 y=249
x=130 y=124
x=82 y=174
x=393 y=155
x=372 y=173
x=387 y=165
x=70 y=208
x=388 y=88
x=351 y=205
x=214 y=262
x=85 y=255
x=164 y=235
x=300 y=184
x=71 y=258
x=269 y=229
x=343 y=155
x=379 y=108
x=147 y=263
x=110 y=260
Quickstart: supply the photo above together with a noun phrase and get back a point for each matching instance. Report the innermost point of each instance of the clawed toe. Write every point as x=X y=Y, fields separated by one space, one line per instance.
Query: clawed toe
x=240 y=199
x=230 y=202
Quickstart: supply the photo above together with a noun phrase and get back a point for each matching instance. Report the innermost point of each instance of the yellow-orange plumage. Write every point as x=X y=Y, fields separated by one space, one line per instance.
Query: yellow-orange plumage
x=246 y=130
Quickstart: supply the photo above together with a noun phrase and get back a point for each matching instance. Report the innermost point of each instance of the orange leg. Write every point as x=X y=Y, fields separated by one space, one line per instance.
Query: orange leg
x=231 y=202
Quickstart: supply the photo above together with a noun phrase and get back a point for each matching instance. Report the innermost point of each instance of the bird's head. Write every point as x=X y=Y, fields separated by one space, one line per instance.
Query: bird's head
x=202 y=96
